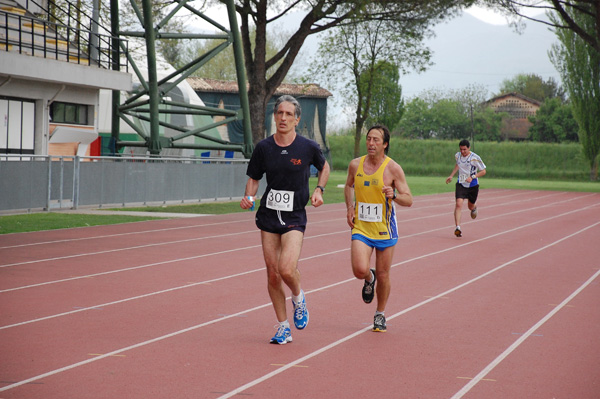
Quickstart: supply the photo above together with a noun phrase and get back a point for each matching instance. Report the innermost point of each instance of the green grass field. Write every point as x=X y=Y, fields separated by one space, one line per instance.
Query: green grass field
x=334 y=193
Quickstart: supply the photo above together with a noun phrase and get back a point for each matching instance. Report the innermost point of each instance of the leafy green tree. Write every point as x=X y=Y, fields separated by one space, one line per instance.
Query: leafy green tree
x=451 y=122
x=487 y=124
x=533 y=86
x=553 y=123
x=443 y=119
x=450 y=114
x=319 y=16
x=417 y=121
x=579 y=66
x=222 y=66
x=387 y=105
x=360 y=56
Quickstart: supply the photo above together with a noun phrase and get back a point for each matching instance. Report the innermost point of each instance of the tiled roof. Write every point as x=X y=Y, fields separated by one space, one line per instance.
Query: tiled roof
x=228 y=86
x=514 y=94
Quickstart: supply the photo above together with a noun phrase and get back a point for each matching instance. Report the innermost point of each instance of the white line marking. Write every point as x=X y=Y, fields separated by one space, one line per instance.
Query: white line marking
x=252 y=271
x=224 y=235
x=304 y=358
x=171 y=229
x=357 y=333
x=521 y=339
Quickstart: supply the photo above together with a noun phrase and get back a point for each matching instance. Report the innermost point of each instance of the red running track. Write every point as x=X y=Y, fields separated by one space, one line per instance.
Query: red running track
x=179 y=308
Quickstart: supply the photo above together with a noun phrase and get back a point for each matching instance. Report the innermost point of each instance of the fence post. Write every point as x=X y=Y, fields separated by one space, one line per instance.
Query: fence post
x=61 y=182
x=49 y=185
x=76 y=180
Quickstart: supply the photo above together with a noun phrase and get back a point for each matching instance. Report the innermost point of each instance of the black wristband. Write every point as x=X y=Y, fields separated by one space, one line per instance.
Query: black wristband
x=394 y=197
x=322 y=188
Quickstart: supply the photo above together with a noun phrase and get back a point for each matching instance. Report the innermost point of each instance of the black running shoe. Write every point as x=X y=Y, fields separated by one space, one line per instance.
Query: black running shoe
x=457 y=232
x=379 y=323
x=368 y=291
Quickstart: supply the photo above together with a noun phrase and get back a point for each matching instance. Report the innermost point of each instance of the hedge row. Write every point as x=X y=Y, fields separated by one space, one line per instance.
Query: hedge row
x=503 y=160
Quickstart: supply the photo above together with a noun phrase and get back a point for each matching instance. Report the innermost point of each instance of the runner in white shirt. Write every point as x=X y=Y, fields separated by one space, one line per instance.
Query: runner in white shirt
x=469 y=167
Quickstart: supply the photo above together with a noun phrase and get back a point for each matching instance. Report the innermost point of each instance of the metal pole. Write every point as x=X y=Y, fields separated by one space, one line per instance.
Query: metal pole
x=49 y=186
x=76 y=179
x=116 y=94
x=94 y=33
x=154 y=145
x=241 y=78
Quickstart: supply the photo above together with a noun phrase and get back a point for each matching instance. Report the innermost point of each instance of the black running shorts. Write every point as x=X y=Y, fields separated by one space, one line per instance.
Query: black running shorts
x=280 y=222
x=470 y=193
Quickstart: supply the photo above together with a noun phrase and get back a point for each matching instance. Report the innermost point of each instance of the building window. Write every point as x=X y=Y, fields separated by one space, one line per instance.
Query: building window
x=17 y=127
x=76 y=114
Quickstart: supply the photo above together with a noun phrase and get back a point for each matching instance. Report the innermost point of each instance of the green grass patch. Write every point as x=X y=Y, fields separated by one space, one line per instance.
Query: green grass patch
x=55 y=221
x=209 y=208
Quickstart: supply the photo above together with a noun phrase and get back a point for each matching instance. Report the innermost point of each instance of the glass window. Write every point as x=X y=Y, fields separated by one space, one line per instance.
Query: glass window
x=69 y=113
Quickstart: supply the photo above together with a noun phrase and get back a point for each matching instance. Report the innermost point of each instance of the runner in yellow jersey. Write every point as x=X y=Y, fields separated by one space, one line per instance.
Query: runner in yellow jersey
x=374 y=184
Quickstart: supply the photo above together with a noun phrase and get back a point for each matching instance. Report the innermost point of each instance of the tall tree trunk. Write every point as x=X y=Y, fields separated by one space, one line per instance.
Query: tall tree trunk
x=258 y=103
x=594 y=170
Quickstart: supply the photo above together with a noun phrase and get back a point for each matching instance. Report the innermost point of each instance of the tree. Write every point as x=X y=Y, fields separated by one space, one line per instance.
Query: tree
x=533 y=86
x=443 y=119
x=387 y=105
x=451 y=114
x=417 y=121
x=222 y=66
x=579 y=66
x=362 y=59
x=553 y=123
x=319 y=16
x=487 y=124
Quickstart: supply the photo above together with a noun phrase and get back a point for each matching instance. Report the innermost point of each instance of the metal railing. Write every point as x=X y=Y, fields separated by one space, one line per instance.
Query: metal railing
x=62 y=37
x=32 y=182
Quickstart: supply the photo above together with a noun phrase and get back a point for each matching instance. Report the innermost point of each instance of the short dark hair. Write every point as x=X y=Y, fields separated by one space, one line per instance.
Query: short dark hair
x=465 y=143
x=386 y=135
x=288 y=99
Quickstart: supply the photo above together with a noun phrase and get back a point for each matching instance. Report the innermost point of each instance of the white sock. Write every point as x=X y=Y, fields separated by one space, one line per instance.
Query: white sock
x=378 y=312
x=372 y=277
x=298 y=299
x=458 y=227
x=285 y=324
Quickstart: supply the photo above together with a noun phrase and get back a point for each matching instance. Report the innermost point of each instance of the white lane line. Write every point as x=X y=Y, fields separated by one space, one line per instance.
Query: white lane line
x=521 y=339
x=418 y=305
x=333 y=252
x=124 y=234
x=123 y=249
x=250 y=231
x=150 y=231
x=82 y=309
x=304 y=358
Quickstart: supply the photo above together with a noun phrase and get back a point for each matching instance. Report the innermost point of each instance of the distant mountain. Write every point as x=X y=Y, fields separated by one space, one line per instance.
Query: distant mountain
x=467 y=51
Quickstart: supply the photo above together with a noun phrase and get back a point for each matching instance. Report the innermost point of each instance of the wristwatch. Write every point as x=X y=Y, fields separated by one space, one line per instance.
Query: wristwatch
x=321 y=188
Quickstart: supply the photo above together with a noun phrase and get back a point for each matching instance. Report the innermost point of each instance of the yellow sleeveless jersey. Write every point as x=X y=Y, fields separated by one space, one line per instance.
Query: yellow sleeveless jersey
x=374 y=214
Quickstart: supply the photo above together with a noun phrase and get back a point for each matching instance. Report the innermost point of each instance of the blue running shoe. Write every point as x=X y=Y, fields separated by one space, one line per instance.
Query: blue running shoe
x=283 y=335
x=300 y=313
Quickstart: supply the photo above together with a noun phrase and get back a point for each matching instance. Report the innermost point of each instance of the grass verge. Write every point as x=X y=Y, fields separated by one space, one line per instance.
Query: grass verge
x=334 y=193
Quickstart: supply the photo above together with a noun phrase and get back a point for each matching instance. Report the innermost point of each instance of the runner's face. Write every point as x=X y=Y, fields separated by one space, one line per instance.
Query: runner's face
x=375 y=144
x=285 y=118
x=464 y=150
